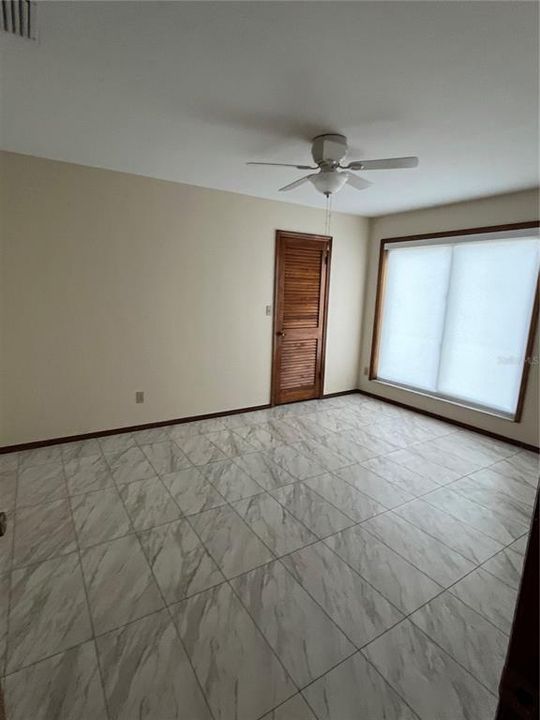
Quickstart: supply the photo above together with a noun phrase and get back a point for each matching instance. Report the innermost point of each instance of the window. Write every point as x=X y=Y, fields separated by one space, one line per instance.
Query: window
x=456 y=313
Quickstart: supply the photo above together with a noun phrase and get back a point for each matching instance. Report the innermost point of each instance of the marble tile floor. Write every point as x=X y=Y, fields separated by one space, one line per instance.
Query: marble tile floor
x=328 y=560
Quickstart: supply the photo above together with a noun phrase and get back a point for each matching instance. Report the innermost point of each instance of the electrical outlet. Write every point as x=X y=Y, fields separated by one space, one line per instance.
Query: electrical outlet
x=268 y=310
x=139 y=396
x=366 y=370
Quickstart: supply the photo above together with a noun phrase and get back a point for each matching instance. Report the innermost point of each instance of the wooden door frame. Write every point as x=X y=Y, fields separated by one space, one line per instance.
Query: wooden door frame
x=327 y=239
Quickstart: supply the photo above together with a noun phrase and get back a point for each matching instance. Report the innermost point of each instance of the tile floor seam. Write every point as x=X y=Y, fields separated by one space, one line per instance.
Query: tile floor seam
x=450 y=655
x=166 y=607
x=267 y=713
x=87 y=599
x=388 y=509
x=283 y=505
x=96 y=637
x=393 y=687
x=344 y=512
x=177 y=632
x=479 y=567
x=263 y=635
x=476 y=567
x=489 y=620
x=462 y=494
x=388 y=480
x=489 y=572
x=225 y=580
x=458 y=552
x=424 y=572
x=248 y=442
x=358 y=651
x=231 y=587
x=354 y=644
x=425 y=498
x=290 y=473
x=158 y=474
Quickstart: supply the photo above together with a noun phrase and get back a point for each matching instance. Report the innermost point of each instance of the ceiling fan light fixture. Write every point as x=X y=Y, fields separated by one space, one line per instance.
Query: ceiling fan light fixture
x=329 y=182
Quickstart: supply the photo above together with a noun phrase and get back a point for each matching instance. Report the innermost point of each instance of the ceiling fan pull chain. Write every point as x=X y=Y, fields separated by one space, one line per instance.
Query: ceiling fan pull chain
x=330 y=203
x=326 y=215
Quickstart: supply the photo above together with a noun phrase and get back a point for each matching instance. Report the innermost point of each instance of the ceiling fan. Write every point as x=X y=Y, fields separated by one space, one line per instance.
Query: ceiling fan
x=328 y=151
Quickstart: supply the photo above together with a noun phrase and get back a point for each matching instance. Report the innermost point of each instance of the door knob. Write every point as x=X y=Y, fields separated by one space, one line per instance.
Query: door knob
x=281 y=333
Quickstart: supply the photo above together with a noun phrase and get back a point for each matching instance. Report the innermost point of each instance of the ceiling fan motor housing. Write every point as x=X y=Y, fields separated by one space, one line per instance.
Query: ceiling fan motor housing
x=329 y=148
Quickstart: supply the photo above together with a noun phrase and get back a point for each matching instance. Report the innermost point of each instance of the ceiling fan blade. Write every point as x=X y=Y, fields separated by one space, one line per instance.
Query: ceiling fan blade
x=298 y=167
x=356 y=182
x=384 y=164
x=297 y=183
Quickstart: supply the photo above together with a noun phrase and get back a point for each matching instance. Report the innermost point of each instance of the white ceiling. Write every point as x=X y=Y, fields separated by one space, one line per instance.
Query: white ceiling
x=191 y=91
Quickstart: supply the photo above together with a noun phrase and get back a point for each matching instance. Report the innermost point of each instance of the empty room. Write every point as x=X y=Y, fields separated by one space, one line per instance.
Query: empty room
x=269 y=393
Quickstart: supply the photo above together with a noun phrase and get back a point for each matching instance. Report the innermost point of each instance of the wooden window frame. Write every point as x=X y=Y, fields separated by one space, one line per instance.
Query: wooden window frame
x=379 y=303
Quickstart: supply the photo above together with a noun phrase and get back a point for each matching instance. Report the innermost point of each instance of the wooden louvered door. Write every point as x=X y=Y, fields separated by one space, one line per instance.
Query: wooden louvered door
x=301 y=300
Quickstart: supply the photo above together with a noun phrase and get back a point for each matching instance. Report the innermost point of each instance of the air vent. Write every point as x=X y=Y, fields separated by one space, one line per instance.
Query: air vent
x=19 y=18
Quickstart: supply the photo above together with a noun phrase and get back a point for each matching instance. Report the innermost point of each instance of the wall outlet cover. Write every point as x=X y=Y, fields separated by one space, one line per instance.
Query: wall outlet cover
x=139 y=396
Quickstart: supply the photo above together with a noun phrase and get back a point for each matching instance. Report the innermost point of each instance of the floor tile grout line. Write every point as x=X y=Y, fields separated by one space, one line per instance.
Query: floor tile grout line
x=354 y=521
x=476 y=566
x=228 y=581
x=470 y=476
x=324 y=500
x=286 y=511
x=278 y=559
x=358 y=651
x=168 y=605
x=116 y=537
x=473 y=502
x=450 y=655
x=438 y=539
x=354 y=644
x=458 y=552
x=395 y=689
x=169 y=612
x=263 y=635
x=390 y=510
x=481 y=567
x=267 y=713
x=431 y=639
x=87 y=598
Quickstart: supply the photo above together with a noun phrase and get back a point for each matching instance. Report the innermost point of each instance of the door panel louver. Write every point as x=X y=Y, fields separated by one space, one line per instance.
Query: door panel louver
x=19 y=18
x=302 y=287
x=299 y=363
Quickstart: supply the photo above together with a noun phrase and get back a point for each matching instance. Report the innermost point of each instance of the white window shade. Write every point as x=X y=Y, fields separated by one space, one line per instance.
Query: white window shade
x=414 y=307
x=456 y=317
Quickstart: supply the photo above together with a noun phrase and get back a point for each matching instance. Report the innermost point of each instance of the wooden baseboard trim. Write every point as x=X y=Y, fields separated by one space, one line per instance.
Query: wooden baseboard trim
x=130 y=428
x=209 y=416
x=450 y=421
x=340 y=393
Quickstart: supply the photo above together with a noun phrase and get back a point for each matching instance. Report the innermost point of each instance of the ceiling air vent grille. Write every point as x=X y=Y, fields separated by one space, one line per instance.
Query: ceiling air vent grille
x=18 y=18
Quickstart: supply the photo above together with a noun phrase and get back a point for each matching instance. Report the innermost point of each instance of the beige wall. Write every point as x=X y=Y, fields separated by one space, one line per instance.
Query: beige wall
x=113 y=283
x=512 y=208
